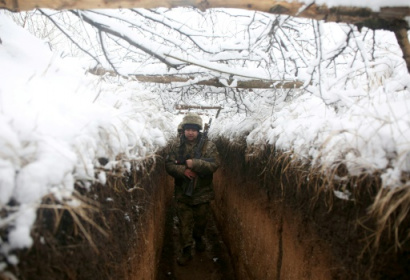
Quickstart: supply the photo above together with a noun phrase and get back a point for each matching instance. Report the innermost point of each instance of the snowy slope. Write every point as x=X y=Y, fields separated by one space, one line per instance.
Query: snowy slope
x=55 y=123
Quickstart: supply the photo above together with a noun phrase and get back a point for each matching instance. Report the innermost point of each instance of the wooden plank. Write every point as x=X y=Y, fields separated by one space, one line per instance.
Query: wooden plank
x=338 y=14
x=187 y=107
x=216 y=83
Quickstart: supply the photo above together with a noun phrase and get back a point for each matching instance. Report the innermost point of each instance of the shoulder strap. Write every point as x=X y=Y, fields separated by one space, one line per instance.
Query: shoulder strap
x=204 y=147
x=181 y=149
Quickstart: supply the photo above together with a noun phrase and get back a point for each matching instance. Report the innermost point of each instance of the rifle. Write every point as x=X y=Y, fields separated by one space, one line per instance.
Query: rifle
x=197 y=154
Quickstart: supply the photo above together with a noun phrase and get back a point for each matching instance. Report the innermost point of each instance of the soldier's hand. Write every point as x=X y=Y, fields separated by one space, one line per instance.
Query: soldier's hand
x=189 y=163
x=189 y=173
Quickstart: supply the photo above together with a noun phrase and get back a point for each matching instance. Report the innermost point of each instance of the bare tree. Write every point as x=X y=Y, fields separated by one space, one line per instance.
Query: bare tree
x=389 y=18
x=192 y=49
x=198 y=54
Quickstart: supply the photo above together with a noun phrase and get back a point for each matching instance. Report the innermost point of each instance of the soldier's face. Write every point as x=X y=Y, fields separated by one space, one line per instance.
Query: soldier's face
x=191 y=134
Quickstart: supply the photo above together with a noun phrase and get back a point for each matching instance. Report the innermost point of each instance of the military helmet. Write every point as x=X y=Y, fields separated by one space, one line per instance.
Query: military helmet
x=192 y=119
x=180 y=127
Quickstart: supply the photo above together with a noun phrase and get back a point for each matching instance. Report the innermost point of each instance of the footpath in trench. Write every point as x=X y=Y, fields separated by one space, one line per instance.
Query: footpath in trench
x=213 y=264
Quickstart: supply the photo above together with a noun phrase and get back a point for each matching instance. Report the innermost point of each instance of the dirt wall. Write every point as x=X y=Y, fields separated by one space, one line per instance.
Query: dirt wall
x=266 y=239
x=277 y=227
x=142 y=263
x=123 y=241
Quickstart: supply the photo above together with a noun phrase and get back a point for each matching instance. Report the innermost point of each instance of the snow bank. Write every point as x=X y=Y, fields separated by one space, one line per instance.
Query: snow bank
x=55 y=123
x=361 y=122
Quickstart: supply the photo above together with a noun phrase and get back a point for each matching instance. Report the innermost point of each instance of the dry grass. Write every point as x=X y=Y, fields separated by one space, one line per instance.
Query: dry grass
x=391 y=211
x=118 y=179
x=84 y=209
x=81 y=209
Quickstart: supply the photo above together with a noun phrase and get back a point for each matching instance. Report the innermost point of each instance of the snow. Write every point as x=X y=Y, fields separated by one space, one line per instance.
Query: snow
x=56 y=120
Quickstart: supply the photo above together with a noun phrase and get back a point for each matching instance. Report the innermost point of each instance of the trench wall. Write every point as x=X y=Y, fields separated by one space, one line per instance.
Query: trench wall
x=274 y=225
x=130 y=209
x=277 y=227
x=266 y=240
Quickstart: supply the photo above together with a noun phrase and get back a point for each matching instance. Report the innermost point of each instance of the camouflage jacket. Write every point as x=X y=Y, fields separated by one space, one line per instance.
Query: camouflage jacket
x=204 y=167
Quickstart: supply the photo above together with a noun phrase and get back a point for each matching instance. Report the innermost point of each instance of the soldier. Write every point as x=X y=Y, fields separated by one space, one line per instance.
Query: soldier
x=189 y=170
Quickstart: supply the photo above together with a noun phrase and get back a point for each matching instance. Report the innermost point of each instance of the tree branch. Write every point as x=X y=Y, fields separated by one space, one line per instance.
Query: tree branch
x=104 y=28
x=386 y=18
x=68 y=36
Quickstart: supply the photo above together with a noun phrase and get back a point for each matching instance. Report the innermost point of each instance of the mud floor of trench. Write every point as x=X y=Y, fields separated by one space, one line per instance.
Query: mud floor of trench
x=213 y=264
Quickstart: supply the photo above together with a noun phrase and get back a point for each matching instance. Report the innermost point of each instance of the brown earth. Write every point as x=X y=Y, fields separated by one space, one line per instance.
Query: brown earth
x=266 y=239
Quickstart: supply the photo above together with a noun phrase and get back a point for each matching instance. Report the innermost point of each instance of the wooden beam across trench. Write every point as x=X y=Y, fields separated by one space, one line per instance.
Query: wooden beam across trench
x=294 y=8
x=247 y=84
x=215 y=82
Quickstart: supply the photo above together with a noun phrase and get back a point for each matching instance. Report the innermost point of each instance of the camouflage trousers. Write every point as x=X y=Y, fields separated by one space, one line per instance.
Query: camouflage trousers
x=192 y=221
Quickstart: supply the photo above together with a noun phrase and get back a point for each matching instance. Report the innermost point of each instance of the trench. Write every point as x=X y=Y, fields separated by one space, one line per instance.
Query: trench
x=262 y=238
x=265 y=225
x=274 y=225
